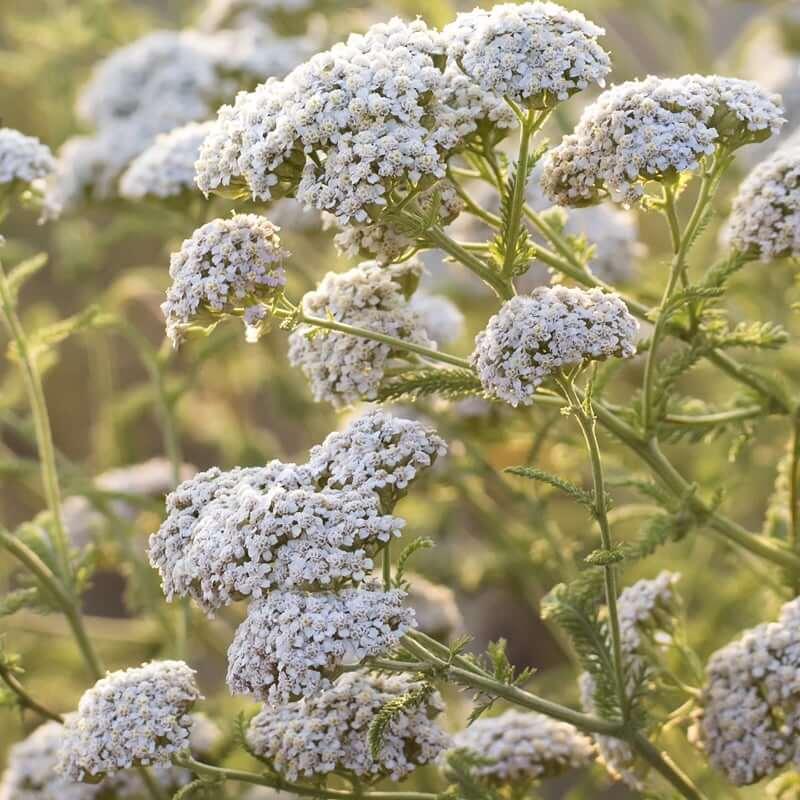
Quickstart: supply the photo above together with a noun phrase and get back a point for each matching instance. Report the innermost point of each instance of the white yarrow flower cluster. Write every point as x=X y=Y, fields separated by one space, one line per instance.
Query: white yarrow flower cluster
x=646 y=613
x=534 y=335
x=370 y=118
x=441 y=317
x=227 y=264
x=524 y=746
x=749 y=717
x=134 y=717
x=166 y=168
x=536 y=54
x=23 y=159
x=344 y=369
x=765 y=218
x=653 y=130
x=329 y=732
x=293 y=644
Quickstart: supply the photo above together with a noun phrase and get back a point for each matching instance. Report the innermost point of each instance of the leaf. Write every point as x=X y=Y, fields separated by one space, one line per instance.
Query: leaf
x=718 y=274
x=23 y=272
x=393 y=709
x=495 y=660
x=200 y=788
x=420 y=543
x=459 y=767
x=452 y=384
x=17 y=600
x=690 y=295
x=581 y=496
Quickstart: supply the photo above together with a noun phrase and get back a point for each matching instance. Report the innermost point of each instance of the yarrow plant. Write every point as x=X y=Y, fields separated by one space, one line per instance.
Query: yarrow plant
x=410 y=145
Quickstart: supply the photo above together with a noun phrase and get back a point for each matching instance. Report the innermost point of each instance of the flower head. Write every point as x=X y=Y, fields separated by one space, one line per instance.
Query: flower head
x=653 y=130
x=293 y=644
x=23 y=159
x=134 y=717
x=765 y=219
x=227 y=264
x=748 y=722
x=534 y=335
x=343 y=368
x=328 y=732
x=536 y=54
x=166 y=168
x=378 y=452
x=250 y=539
x=370 y=118
x=524 y=746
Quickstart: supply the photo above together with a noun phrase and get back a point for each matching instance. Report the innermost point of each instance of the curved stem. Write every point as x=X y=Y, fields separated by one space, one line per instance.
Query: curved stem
x=734 y=415
x=395 y=343
x=587 y=421
x=519 y=697
x=41 y=420
x=25 y=700
x=274 y=782
x=50 y=583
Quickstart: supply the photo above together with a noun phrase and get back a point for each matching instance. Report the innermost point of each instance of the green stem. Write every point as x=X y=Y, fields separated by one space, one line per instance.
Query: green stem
x=25 y=700
x=395 y=343
x=41 y=419
x=387 y=566
x=514 y=221
x=587 y=421
x=717 y=418
x=274 y=782
x=440 y=239
x=447 y=668
x=663 y=764
x=51 y=584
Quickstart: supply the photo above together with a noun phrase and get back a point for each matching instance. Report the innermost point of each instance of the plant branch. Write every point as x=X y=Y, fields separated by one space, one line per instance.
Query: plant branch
x=25 y=700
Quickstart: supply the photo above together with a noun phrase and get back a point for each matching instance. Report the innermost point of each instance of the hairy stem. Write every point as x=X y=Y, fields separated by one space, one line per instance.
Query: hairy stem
x=588 y=424
x=399 y=345
x=275 y=782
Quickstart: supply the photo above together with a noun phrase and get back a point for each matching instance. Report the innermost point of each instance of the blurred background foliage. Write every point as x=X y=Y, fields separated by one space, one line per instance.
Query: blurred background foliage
x=118 y=396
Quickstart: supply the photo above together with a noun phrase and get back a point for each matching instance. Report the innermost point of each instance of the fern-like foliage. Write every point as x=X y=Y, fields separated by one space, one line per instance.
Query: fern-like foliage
x=420 y=543
x=409 y=701
x=451 y=384
x=574 y=607
x=586 y=499
x=200 y=789
x=460 y=767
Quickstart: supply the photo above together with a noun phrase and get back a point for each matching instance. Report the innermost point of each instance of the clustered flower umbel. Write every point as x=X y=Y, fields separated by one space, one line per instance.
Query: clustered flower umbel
x=653 y=130
x=227 y=265
x=536 y=54
x=23 y=159
x=354 y=128
x=765 y=218
x=166 y=168
x=534 y=335
x=345 y=369
x=329 y=732
x=748 y=722
x=298 y=541
x=32 y=772
x=294 y=644
x=134 y=717
x=523 y=746
x=646 y=613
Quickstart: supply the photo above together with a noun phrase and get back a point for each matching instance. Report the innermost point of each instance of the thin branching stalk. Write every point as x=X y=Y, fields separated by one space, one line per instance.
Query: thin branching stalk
x=666 y=767
x=23 y=698
x=41 y=420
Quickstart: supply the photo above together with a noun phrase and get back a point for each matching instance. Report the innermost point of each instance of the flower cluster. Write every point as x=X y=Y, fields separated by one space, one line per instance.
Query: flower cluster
x=299 y=541
x=328 y=732
x=135 y=717
x=354 y=129
x=765 y=218
x=518 y=746
x=536 y=54
x=166 y=168
x=293 y=644
x=23 y=159
x=227 y=264
x=748 y=722
x=653 y=130
x=342 y=368
x=32 y=768
x=646 y=611
x=159 y=82
x=534 y=335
